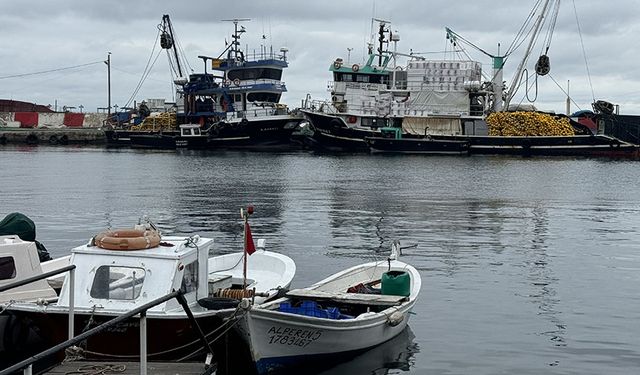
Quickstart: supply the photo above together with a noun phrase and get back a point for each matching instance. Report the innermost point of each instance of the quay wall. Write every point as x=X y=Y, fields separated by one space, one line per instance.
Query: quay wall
x=52 y=119
x=51 y=128
x=51 y=136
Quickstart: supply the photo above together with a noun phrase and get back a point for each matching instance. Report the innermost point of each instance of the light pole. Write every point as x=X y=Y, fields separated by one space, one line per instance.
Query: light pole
x=349 y=54
x=108 y=62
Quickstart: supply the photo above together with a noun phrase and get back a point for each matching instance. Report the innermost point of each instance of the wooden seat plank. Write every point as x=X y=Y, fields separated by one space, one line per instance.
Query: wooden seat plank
x=351 y=298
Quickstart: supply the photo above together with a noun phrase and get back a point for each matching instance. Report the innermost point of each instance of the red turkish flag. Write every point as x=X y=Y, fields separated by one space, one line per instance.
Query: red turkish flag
x=249 y=246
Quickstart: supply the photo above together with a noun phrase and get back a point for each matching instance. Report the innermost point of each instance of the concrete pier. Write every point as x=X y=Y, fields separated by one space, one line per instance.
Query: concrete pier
x=52 y=136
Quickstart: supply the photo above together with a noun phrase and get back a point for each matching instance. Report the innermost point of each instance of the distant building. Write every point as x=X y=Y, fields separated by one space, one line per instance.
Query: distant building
x=8 y=105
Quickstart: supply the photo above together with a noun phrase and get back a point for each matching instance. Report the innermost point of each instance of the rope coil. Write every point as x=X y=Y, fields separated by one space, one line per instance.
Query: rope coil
x=235 y=293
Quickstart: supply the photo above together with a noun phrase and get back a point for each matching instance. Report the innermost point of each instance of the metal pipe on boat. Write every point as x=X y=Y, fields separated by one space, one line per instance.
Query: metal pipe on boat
x=72 y=283
x=185 y=305
x=36 y=278
x=143 y=343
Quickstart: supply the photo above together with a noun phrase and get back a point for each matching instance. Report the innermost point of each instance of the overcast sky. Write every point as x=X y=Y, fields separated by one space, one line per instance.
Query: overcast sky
x=45 y=35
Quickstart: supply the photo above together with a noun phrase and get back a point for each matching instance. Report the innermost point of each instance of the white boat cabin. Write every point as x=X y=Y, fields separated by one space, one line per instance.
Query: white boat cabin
x=18 y=261
x=190 y=130
x=116 y=280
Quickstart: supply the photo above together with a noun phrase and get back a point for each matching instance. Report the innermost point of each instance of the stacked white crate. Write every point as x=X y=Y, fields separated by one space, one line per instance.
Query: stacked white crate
x=441 y=75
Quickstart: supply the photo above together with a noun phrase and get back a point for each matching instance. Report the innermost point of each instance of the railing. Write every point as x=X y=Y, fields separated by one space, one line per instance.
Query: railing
x=27 y=364
x=71 y=282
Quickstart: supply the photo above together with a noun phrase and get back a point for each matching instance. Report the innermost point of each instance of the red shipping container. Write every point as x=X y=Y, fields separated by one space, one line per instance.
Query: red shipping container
x=27 y=119
x=73 y=119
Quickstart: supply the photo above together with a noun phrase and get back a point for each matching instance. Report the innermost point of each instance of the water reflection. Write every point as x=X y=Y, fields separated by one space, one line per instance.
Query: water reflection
x=535 y=258
x=395 y=354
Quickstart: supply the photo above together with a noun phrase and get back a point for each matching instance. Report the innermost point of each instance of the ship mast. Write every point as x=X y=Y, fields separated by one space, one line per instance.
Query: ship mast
x=235 y=43
x=167 y=40
x=534 y=36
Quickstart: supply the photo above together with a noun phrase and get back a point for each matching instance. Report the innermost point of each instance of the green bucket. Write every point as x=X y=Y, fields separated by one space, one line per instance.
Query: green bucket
x=396 y=283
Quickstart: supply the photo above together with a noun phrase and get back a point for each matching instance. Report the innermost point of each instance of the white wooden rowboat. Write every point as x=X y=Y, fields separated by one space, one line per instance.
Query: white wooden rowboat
x=330 y=318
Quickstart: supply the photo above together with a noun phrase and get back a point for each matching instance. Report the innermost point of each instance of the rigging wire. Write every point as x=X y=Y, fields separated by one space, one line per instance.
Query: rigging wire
x=584 y=53
x=529 y=87
x=520 y=36
x=145 y=76
x=552 y=27
x=178 y=45
x=146 y=72
x=51 y=70
x=565 y=92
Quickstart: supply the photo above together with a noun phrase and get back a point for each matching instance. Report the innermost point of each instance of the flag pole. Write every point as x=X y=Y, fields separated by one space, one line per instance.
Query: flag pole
x=245 y=217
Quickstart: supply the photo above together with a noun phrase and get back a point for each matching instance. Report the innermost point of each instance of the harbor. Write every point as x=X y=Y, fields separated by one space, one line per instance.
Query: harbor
x=394 y=102
x=262 y=202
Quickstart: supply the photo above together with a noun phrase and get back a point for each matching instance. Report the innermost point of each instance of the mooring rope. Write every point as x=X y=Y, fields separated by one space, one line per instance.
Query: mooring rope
x=103 y=369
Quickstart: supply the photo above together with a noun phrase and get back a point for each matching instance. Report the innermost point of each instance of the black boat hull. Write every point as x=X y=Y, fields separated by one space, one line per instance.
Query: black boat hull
x=331 y=133
x=422 y=145
x=258 y=134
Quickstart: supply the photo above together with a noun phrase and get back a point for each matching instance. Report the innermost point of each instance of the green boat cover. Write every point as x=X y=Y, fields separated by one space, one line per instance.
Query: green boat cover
x=19 y=224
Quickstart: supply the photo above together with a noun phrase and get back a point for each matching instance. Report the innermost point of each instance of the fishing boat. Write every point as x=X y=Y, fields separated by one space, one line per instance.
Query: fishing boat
x=19 y=261
x=344 y=314
x=119 y=270
x=236 y=104
x=447 y=99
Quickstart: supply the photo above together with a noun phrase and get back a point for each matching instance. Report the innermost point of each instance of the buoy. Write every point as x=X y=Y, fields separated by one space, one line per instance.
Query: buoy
x=127 y=239
x=395 y=318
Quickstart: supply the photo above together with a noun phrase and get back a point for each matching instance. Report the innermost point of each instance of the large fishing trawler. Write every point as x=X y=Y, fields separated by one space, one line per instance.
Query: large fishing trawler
x=234 y=105
x=404 y=103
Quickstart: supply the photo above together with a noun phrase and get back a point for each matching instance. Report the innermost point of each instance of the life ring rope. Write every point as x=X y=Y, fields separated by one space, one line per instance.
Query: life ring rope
x=127 y=239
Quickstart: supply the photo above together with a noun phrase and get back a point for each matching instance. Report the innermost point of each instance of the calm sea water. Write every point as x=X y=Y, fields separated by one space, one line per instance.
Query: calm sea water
x=529 y=266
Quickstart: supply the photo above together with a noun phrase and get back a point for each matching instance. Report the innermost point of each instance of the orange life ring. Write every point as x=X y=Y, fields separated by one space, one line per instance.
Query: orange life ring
x=127 y=239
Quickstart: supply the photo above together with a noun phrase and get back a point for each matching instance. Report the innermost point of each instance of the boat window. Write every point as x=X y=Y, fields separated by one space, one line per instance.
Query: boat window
x=113 y=282
x=7 y=268
x=347 y=78
x=255 y=73
x=362 y=78
x=190 y=278
x=263 y=97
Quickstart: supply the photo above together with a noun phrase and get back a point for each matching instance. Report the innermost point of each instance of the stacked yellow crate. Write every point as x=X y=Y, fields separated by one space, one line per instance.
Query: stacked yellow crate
x=159 y=121
x=528 y=124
